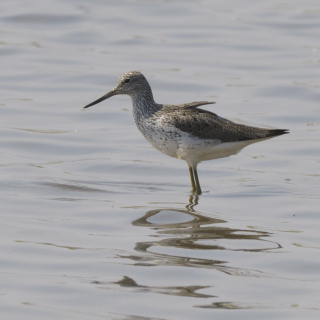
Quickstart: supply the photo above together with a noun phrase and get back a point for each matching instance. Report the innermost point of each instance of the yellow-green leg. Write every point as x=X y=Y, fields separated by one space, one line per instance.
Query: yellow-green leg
x=193 y=185
x=195 y=173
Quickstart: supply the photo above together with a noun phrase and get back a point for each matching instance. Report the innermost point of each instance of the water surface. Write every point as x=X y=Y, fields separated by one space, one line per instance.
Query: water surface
x=95 y=223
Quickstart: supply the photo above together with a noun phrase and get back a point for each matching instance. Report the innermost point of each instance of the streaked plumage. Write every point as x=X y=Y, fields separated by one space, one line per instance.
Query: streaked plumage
x=185 y=131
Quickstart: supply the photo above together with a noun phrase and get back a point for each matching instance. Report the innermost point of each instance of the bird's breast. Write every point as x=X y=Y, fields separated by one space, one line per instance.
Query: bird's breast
x=161 y=135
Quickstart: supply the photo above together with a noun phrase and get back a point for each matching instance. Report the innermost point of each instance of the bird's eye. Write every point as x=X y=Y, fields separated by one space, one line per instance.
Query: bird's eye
x=127 y=80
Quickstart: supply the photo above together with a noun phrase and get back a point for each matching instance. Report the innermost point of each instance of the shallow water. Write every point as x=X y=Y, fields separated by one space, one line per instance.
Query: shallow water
x=95 y=223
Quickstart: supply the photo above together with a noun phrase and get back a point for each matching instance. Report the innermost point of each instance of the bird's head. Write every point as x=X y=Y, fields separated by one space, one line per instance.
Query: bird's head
x=130 y=83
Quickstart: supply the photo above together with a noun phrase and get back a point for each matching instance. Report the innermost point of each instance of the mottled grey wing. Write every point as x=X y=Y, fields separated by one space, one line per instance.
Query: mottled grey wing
x=193 y=105
x=207 y=125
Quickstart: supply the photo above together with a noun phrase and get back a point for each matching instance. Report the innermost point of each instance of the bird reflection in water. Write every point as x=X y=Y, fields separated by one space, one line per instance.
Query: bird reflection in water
x=191 y=231
x=184 y=234
x=186 y=291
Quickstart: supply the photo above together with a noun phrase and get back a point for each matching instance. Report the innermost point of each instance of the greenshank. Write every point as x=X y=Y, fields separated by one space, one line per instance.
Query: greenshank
x=185 y=131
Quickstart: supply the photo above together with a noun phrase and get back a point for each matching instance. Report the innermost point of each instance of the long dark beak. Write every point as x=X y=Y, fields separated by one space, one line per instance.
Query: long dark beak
x=106 y=96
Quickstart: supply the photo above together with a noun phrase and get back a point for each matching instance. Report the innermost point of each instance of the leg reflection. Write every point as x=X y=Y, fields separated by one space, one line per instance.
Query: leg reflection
x=193 y=201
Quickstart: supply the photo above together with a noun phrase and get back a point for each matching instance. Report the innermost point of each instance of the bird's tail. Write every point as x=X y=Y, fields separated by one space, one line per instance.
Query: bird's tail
x=276 y=132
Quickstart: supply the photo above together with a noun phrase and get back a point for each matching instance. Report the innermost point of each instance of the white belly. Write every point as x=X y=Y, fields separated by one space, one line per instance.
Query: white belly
x=178 y=144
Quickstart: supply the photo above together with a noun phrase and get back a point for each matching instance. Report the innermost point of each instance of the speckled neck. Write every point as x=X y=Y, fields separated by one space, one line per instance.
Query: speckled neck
x=143 y=104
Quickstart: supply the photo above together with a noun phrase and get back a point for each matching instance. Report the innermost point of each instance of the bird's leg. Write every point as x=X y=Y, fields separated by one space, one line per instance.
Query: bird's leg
x=193 y=185
x=195 y=173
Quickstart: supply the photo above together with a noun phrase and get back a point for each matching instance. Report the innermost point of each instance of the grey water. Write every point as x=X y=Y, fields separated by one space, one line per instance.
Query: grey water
x=96 y=224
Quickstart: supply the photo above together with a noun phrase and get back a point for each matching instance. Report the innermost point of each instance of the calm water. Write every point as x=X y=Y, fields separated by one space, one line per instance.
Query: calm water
x=97 y=224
